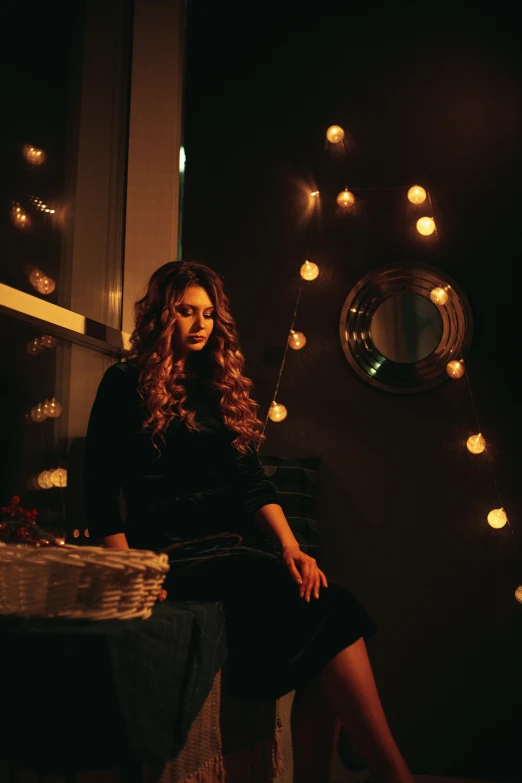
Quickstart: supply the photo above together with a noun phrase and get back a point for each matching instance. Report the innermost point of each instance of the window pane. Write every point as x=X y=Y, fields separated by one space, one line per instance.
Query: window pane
x=63 y=144
x=47 y=387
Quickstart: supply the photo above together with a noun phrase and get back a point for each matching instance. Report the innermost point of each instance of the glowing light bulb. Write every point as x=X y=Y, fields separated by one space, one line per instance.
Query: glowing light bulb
x=296 y=340
x=497 y=518
x=38 y=413
x=34 y=347
x=19 y=217
x=416 y=194
x=425 y=226
x=45 y=285
x=518 y=594
x=45 y=480
x=346 y=199
x=34 y=155
x=34 y=276
x=439 y=296
x=59 y=477
x=335 y=134
x=309 y=270
x=314 y=193
x=277 y=411
x=52 y=408
x=476 y=444
x=455 y=369
x=48 y=341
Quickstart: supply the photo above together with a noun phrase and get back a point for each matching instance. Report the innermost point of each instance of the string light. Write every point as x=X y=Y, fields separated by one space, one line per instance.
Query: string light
x=416 y=194
x=518 y=594
x=309 y=270
x=277 y=412
x=335 y=134
x=439 y=296
x=40 y=205
x=76 y=533
x=19 y=217
x=45 y=285
x=34 y=347
x=296 y=340
x=497 y=518
x=52 y=408
x=59 y=477
x=45 y=479
x=314 y=193
x=346 y=199
x=426 y=226
x=476 y=444
x=34 y=155
x=455 y=368
x=34 y=276
x=86 y=532
x=38 y=413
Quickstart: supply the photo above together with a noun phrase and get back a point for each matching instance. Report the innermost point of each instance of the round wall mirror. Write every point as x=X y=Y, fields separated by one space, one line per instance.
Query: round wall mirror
x=406 y=328
x=400 y=326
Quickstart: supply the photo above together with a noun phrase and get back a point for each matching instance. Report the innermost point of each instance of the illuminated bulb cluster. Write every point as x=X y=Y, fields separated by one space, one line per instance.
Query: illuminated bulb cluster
x=416 y=195
x=345 y=199
x=34 y=155
x=41 y=282
x=40 y=205
x=19 y=217
x=36 y=346
x=476 y=444
x=497 y=518
x=455 y=368
x=426 y=226
x=49 y=409
x=296 y=340
x=309 y=270
x=335 y=134
x=439 y=296
x=48 y=479
x=277 y=412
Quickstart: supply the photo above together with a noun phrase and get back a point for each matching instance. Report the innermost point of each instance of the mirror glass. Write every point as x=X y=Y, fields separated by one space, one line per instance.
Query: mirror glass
x=406 y=327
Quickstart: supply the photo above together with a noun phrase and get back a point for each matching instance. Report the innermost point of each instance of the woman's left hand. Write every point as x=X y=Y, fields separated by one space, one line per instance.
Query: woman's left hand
x=304 y=570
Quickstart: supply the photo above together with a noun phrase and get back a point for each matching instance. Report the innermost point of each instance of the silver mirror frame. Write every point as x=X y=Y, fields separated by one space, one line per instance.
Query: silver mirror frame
x=355 y=328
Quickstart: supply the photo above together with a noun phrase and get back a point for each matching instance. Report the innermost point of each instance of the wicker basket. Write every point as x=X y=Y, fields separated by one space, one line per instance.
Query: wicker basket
x=79 y=582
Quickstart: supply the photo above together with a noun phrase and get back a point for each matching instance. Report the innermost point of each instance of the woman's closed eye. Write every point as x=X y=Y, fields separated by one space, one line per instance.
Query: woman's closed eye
x=189 y=313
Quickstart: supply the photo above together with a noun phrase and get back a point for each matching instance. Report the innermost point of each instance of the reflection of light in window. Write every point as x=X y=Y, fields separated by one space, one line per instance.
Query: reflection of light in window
x=372 y=370
x=182 y=159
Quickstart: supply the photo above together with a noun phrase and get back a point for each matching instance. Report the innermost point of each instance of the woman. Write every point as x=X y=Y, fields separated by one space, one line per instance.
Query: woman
x=176 y=429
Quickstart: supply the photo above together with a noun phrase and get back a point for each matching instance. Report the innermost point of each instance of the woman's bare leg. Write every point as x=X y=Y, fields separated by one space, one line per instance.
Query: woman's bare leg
x=350 y=688
x=315 y=730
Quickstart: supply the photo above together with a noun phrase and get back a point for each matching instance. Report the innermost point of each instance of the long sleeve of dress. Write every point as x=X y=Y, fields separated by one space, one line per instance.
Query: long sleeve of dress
x=254 y=488
x=102 y=461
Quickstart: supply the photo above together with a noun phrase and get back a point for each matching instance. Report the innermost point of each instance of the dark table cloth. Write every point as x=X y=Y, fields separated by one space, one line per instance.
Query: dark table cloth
x=85 y=693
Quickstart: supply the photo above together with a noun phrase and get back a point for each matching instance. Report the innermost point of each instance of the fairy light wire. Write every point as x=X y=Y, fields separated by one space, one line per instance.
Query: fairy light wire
x=274 y=397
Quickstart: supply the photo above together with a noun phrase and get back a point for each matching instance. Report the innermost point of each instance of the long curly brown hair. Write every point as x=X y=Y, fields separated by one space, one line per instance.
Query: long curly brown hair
x=219 y=365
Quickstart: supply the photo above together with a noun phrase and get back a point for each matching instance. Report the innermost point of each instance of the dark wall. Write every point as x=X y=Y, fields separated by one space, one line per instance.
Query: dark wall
x=426 y=97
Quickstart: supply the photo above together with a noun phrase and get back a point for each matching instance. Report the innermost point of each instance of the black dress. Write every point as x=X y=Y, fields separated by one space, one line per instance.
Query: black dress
x=198 y=487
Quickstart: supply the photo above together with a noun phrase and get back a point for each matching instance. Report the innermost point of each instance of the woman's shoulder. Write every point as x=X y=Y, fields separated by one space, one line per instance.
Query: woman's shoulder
x=119 y=375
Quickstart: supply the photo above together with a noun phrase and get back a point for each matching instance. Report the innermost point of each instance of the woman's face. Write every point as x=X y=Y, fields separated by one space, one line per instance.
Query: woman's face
x=194 y=321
